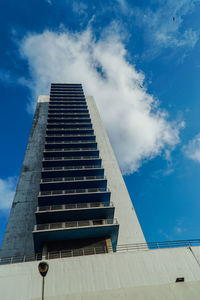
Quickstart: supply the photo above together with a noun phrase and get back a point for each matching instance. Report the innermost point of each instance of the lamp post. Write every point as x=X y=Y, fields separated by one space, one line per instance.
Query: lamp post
x=43 y=268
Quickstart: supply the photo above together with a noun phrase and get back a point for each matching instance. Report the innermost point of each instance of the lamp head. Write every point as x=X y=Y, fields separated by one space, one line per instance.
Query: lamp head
x=43 y=268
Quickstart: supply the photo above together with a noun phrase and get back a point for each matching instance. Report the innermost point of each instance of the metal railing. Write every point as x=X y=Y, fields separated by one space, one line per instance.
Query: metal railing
x=149 y=246
x=73 y=191
x=70 y=142
x=68 y=129
x=68 y=118
x=70 y=149
x=70 y=135
x=74 y=123
x=74 y=206
x=67 y=114
x=70 y=158
x=70 y=168
x=72 y=179
x=75 y=224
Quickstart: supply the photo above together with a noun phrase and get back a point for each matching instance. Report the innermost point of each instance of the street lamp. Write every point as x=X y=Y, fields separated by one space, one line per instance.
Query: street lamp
x=43 y=268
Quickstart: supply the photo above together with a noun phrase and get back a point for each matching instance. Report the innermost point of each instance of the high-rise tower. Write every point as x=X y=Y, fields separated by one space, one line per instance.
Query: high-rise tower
x=72 y=208
x=71 y=194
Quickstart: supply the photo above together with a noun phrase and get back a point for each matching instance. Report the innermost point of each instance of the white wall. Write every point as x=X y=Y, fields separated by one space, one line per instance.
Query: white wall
x=135 y=275
x=130 y=230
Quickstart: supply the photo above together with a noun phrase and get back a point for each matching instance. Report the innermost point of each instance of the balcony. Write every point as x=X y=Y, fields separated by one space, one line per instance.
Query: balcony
x=67 y=110
x=69 y=102
x=71 y=151
x=83 y=182
x=71 y=161
x=67 y=106
x=69 y=114
x=69 y=131
x=68 y=125
x=69 y=120
x=72 y=171
x=74 y=212
x=70 y=144
x=44 y=233
x=73 y=196
x=70 y=137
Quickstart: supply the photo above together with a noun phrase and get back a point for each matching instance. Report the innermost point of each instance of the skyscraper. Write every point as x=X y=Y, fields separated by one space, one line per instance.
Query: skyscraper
x=71 y=194
x=72 y=208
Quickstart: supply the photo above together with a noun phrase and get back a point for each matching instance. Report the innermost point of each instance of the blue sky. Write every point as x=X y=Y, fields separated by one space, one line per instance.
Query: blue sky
x=141 y=62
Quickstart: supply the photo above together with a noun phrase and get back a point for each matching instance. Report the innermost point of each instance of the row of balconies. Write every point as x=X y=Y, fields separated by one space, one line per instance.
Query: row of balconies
x=69 y=157
x=71 y=224
x=67 y=110
x=71 y=162
x=58 y=154
x=67 y=88
x=69 y=120
x=74 y=212
x=72 y=191
x=76 y=153
x=67 y=106
x=72 y=97
x=75 y=143
x=69 y=130
x=62 y=114
x=73 y=185
x=63 y=101
x=62 y=168
x=69 y=150
x=68 y=125
x=74 y=138
x=72 y=171
x=66 y=179
x=73 y=206
x=67 y=134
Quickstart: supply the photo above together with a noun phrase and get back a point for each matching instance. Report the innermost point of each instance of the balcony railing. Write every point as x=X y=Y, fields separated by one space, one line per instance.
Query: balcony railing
x=101 y=250
x=75 y=123
x=70 y=149
x=64 y=168
x=75 y=224
x=69 y=128
x=70 y=142
x=70 y=158
x=67 y=114
x=71 y=179
x=74 y=206
x=71 y=135
x=73 y=191
x=66 y=118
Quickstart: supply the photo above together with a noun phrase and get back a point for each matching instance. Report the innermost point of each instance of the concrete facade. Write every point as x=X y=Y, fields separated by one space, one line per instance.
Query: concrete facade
x=18 y=238
x=139 y=275
x=130 y=230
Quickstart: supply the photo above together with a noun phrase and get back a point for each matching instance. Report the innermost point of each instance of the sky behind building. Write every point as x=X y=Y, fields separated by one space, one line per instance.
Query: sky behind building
x=141 y=63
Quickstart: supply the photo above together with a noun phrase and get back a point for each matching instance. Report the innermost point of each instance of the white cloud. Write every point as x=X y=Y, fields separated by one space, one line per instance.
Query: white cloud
x=165 y=27
x=138 y=128
x=49 y=1
x=7 y=191
x=192 y=150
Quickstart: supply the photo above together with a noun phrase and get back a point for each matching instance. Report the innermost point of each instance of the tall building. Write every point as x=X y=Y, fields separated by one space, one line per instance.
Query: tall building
x=72 y=209
x=71 y=194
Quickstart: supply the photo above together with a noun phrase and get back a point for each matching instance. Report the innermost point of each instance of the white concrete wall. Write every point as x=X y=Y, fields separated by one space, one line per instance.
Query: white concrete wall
x=130 y=230
x=18 y=238
x=135 y=275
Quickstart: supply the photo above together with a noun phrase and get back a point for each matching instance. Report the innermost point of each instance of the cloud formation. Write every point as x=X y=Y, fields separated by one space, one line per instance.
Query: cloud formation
x=192 y=150
x=139 y=130
x=7 y=191
x=164 y=25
